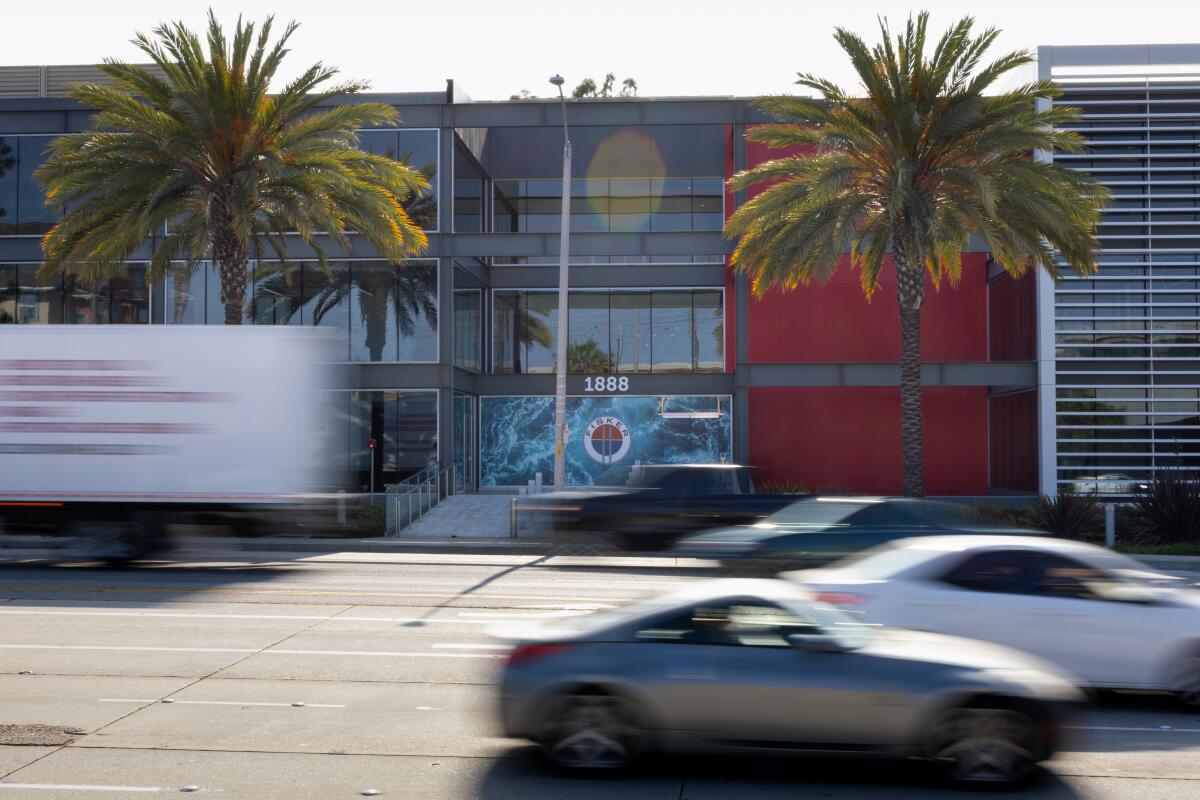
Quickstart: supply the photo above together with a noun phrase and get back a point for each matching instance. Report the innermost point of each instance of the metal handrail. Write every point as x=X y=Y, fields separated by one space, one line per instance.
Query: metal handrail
x=414 y=496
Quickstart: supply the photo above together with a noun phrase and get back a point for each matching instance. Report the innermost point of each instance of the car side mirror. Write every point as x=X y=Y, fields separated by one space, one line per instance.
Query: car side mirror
x=815 y=643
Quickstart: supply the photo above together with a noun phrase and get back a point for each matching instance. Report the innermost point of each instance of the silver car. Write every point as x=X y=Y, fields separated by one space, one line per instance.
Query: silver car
x=757 y=666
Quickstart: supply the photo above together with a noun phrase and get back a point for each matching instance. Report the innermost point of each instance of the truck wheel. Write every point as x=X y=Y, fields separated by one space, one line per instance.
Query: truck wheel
x=116 y=542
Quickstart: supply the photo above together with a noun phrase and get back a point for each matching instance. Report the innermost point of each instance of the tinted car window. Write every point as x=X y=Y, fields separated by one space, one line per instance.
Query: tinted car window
x=749 y=623
x=1059 y=576
x=1001 y=571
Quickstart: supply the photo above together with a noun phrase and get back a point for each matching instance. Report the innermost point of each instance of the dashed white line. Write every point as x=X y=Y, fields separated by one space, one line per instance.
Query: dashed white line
x=285 y=617
x=459 y=646
x=176 y=701
x=378 y=653
x=1122 y=729
x=140 y=649
x=80 y=787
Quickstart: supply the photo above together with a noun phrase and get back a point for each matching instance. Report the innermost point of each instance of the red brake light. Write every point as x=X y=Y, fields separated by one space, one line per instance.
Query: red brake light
x=840 y=598
x=526 y=653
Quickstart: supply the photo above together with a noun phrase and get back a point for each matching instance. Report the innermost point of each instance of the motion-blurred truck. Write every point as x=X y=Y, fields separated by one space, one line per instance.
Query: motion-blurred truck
x=108 y=434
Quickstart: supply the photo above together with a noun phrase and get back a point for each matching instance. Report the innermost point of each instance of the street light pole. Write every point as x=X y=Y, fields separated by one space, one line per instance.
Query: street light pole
x=560 y=364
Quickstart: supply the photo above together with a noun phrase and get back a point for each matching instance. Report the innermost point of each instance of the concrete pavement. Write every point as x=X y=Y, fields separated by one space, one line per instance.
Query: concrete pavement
x=321 y=676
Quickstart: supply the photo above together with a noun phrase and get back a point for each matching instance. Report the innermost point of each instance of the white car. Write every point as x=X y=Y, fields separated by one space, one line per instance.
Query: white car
x=1105 y=618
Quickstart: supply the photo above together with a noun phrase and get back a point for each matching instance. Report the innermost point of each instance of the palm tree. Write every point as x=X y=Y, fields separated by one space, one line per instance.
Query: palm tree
x=206 y=150
x=587 y=358
x=914 y=167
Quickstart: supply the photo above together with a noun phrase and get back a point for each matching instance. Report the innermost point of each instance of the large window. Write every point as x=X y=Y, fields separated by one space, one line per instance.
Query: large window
x=404 y=427
x=636 y=178
x=419 y=149
x=670 y=330
x=27 y=299
x=468 y=321
x=23 y=209
x=388 y=312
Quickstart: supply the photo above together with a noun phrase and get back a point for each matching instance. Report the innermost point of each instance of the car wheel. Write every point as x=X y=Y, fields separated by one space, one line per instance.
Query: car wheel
x=986 y=744
x=591 y=730
x=114 y=542
x=1187 y=681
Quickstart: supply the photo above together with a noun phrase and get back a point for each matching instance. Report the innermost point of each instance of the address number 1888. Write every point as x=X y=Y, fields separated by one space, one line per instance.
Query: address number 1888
x=603 y=383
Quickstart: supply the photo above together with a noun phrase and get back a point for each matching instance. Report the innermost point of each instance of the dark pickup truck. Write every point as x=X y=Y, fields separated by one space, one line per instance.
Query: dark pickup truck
x=660 y=504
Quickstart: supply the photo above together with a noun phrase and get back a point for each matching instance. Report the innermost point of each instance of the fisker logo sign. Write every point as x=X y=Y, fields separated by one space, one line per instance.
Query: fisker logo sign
x=606 y=440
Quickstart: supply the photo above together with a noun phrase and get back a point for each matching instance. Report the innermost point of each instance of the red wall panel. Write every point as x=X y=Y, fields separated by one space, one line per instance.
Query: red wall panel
x=1012 y=320
x=834 y=322
x=1012 y=446
x=849 y=438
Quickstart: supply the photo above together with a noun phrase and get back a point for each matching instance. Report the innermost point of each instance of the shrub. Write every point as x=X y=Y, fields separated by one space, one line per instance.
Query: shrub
x=1069 y=515
x=784 y=486
x=371 y=520
x=1001 y=515
x=1167 y=510
x=781 y=487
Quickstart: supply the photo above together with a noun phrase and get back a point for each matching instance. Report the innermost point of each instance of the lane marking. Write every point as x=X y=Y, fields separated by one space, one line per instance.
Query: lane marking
x=510 y=615
x=275 y=592
x=378 y=653
x=79 y=787
x=133 y=648
x=1123 y=729
x=457 y=646
x=147 y=649
x=189 y=615
x=177 y=702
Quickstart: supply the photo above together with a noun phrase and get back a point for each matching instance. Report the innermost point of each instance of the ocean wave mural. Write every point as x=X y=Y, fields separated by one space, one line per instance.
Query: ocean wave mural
x=606 y=436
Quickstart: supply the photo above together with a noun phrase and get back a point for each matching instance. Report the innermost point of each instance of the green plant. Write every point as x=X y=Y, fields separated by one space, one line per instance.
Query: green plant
x=904 y=175
x=781 y=486
x=1069 y=515
x=1167 y=510
x=371 y=519
x=1003 y=515
x=204 y=149
x=786 y=486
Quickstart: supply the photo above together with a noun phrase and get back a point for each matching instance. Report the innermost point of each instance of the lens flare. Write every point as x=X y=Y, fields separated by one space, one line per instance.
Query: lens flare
x=624 y=180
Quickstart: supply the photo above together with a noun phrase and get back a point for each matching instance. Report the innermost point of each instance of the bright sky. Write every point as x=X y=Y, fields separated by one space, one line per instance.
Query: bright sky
x=493 y=49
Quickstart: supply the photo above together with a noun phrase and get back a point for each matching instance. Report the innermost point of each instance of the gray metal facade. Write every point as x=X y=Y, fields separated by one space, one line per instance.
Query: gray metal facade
x=1120 y=351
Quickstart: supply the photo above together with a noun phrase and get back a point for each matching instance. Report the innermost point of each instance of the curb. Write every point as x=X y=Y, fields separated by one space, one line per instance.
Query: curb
x=1167 y=562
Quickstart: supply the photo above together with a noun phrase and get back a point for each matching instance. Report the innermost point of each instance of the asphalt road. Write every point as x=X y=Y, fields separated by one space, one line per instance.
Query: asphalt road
x=321 y=677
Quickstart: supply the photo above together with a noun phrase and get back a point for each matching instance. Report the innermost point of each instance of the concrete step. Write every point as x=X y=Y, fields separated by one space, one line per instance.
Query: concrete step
x=464 y=516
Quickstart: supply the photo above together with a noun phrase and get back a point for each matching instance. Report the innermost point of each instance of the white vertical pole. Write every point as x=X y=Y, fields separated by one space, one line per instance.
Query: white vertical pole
x=1110 y=525
x=560 y=372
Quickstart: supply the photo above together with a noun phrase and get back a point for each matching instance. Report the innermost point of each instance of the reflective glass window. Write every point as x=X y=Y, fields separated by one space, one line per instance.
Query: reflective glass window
x=587 y=345
x=468 y=328
x=672 y=331
x=183 y=295
x=130 y=297
x=85 y=305
x=710 y=331
x=541 y=331
x=630 y=331
x=8 y=293
x=416 y=302
x=33 y=218
x=38 y=301
x=9 y=153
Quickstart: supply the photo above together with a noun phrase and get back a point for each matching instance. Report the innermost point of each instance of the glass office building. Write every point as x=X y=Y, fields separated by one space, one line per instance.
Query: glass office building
x=450 y=356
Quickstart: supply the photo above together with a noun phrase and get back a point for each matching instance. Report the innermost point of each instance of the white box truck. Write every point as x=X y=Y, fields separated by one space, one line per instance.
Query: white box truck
x=108 y=433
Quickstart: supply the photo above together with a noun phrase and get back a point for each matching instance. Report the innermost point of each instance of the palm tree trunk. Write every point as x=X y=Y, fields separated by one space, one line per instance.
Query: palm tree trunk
x=910 y=290
x=232 y=256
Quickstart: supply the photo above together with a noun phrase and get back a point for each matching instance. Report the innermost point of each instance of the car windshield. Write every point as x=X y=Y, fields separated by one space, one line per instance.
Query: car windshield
x=1127 y=569
x=882 y=562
